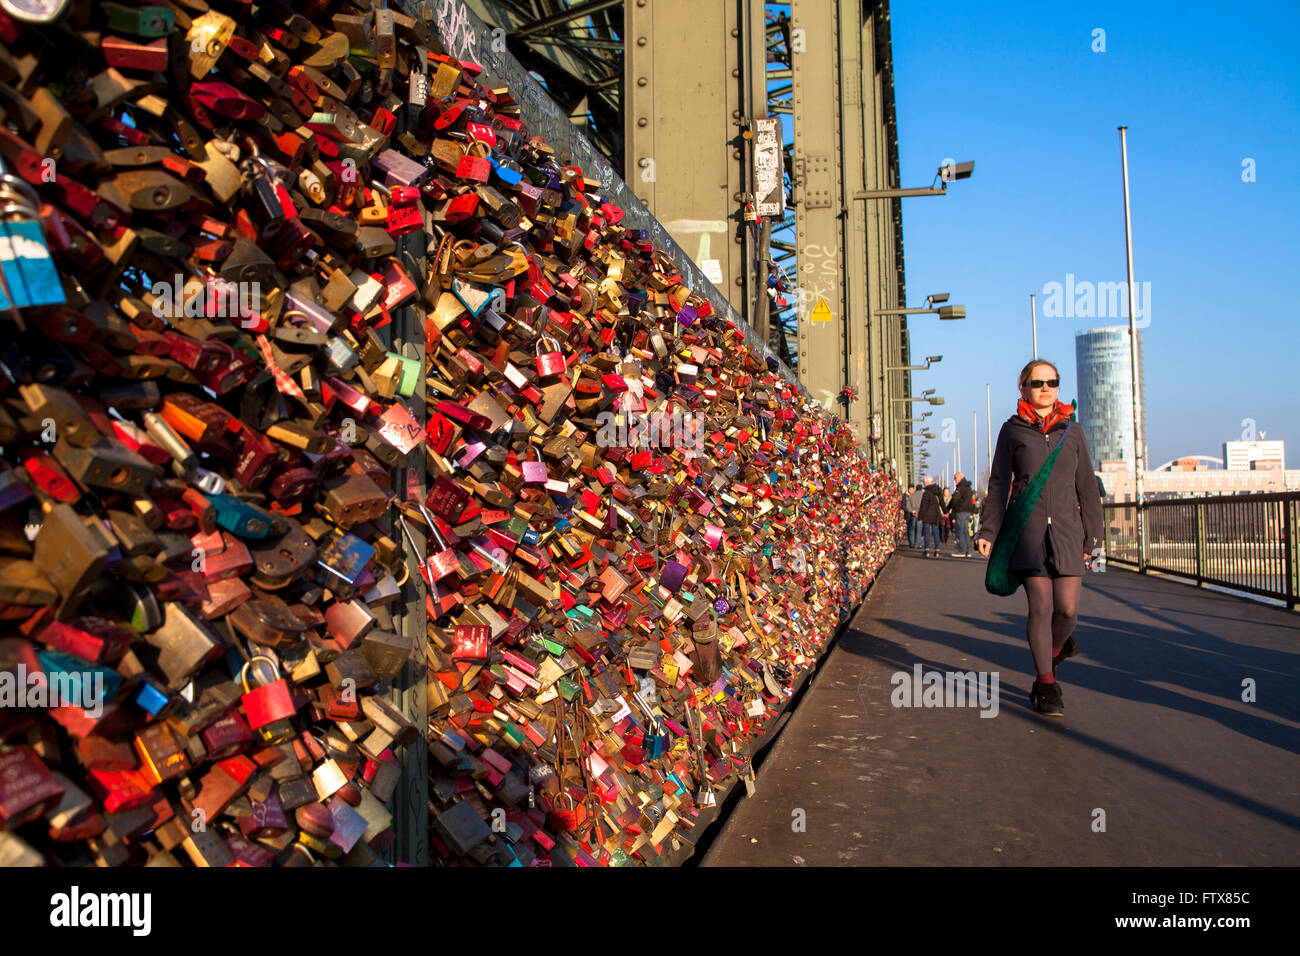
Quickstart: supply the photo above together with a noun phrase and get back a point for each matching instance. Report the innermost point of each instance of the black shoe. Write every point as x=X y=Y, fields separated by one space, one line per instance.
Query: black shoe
x=1047 y=699
x=1068 y=649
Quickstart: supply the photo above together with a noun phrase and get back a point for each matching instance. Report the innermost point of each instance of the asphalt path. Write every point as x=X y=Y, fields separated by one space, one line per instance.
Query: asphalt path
x=1158 y=761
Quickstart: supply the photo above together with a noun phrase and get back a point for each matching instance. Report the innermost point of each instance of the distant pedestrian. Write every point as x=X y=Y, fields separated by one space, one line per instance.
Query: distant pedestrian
x=915 y=500
x=930 y=513
x=945 y=522
x=962 y=505
x=1065 y=525
x=909 y=513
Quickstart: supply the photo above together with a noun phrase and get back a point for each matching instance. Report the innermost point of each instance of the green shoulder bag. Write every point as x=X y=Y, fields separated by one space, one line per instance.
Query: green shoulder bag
x=998 y=576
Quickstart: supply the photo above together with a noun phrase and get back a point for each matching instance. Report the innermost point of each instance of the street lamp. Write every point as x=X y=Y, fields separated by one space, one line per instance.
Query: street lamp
x=915 y=368
x=947 y=174
x=932 y=401
x=931 y=301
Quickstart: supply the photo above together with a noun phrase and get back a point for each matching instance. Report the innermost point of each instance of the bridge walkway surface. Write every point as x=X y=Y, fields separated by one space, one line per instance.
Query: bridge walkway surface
x=1155 y=735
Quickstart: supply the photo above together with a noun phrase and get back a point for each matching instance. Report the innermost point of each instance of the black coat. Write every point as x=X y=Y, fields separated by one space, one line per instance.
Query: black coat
x=931 y=505
x=1070 y=499
x=962 y=499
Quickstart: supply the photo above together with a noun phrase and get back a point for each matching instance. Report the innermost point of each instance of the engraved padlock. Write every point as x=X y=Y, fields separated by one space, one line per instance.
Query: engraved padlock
x=550 y=362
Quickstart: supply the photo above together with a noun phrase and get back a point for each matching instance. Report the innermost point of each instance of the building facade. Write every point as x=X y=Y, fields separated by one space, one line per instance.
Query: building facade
x=1247 y=455
x=1103 y=362
x=1177 y=482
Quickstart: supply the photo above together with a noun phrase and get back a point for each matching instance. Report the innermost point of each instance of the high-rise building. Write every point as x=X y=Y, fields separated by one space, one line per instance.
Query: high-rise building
x=1103 y=362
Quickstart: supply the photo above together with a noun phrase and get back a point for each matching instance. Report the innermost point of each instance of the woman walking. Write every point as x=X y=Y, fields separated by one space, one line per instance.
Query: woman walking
x=1063 y=529
x=945 y=523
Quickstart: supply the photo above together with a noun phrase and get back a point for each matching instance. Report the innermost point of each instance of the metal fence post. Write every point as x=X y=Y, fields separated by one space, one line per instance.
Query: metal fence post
x=1289 y=550
x=1197 y=511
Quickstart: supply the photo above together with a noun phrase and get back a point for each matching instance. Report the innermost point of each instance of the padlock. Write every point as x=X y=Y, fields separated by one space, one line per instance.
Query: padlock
x=474 y=165
x=441 y=563
x=268 y=706
x=472 y=642
x=551 y=362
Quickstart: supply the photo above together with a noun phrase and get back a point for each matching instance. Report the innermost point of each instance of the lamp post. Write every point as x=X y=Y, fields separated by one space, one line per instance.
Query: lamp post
x=943 y=311
x=988 y=431
x=929 y=359
x=932 y=401
x=1138 y=437
x=1033 y=322
x=947 y=174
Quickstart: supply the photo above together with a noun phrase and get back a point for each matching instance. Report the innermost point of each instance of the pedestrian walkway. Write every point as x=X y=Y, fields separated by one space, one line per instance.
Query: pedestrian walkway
x=1156 y=742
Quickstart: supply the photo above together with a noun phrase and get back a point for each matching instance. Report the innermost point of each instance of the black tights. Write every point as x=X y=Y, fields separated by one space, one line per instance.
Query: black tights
x=1053 y=612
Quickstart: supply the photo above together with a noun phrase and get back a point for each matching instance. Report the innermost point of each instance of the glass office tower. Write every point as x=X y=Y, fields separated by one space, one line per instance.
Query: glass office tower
x=1103 y=360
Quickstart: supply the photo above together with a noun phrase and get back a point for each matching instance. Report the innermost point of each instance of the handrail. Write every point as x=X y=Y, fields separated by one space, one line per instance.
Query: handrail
x=1245 y=542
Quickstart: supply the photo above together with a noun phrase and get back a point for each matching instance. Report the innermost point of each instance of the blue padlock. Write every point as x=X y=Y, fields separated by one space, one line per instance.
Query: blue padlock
x=240 y=518
x=77 y=682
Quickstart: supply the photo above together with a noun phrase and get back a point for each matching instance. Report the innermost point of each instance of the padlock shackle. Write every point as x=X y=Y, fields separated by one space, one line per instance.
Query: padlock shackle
x=433 y=526
x=243 y=671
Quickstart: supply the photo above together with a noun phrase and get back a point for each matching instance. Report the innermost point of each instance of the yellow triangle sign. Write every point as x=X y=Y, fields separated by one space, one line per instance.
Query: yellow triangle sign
x=822 y=313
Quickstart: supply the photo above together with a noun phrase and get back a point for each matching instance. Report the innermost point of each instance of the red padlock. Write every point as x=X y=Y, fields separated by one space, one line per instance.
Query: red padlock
x=45 y=471
x=475 y=168
x=552 y=362
x=269 y=707
x=436 y=566
x=471 y=642
x=403 y=219
x=562 y=819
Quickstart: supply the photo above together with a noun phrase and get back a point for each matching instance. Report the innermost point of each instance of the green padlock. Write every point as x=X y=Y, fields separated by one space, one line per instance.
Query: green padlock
x=147 y=22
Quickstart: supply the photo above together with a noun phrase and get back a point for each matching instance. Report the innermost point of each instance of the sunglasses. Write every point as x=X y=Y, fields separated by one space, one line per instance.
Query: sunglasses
x=1039 y=383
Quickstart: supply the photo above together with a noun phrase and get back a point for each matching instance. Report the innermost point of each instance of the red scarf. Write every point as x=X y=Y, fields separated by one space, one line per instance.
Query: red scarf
x=1059 y=413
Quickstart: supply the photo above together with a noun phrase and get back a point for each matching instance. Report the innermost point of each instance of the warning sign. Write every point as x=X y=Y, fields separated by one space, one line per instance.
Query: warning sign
x=822 y=313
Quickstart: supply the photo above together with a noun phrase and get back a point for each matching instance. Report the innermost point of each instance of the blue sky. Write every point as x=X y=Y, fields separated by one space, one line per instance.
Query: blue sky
x=1017 y=88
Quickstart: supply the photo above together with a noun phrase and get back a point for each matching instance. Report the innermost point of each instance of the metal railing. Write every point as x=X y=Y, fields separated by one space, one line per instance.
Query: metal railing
x=1243 y=542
